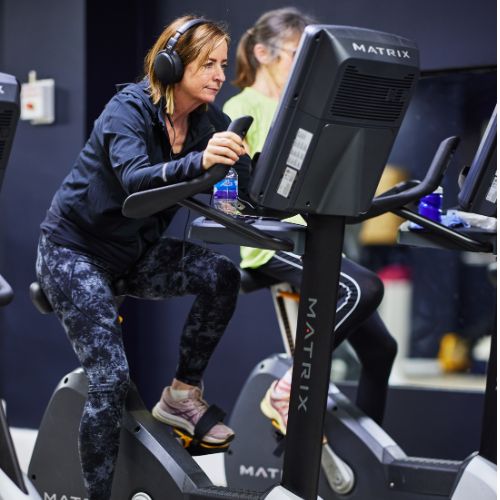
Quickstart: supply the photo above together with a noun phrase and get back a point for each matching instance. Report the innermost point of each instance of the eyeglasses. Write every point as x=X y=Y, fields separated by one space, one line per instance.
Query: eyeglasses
x=292 y=52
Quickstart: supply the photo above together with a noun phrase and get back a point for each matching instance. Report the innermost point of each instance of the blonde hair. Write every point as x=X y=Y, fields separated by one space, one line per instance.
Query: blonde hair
x=198 y=42
x=270 y=29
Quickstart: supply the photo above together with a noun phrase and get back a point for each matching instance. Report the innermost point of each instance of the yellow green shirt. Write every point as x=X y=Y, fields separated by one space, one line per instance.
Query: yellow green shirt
x=262 y=108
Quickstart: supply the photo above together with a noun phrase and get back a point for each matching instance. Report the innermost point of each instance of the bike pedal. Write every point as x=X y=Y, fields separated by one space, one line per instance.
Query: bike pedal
x=196 y=447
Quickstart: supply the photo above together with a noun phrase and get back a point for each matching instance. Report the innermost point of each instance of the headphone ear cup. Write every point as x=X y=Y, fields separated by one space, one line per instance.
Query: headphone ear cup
x=168 y=68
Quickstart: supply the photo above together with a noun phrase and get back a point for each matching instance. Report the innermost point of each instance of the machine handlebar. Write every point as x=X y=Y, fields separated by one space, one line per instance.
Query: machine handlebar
x=6 y=292
x=151 y=201
x=410 y=191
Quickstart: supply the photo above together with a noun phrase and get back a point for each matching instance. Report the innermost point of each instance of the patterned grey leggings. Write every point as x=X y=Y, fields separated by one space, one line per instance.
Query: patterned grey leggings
x=80 y=289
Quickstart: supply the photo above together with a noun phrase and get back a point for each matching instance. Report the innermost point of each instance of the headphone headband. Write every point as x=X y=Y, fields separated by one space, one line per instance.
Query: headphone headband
x=168 y=66
x=181 y=30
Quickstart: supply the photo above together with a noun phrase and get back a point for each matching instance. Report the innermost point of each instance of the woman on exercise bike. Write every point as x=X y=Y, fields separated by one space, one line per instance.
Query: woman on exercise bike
x=159 y=131
x=264 y=59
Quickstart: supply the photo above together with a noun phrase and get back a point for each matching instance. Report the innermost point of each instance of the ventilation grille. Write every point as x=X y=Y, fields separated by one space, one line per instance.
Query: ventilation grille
x=6 y=117
x=368 y=97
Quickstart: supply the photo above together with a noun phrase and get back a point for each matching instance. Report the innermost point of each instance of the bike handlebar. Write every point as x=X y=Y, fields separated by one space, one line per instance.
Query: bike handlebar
x=6 y=292
x=405 y=193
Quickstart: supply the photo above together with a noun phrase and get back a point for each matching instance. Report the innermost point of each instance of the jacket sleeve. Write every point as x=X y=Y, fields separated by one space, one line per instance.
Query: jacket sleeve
x=185 y=168
x=125 y=131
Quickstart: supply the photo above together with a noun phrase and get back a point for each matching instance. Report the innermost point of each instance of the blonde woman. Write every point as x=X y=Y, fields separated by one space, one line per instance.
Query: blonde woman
x=160 y=131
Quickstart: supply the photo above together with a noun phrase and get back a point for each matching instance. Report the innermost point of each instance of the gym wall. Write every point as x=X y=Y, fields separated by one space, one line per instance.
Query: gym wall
x=88 y=46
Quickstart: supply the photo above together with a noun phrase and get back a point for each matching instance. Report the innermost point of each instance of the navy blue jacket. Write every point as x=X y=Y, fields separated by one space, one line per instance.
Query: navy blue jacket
x=128 y=151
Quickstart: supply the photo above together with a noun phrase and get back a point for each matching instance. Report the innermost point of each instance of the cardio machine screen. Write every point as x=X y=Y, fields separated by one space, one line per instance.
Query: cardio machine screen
x=341 y=109
x=479 y=190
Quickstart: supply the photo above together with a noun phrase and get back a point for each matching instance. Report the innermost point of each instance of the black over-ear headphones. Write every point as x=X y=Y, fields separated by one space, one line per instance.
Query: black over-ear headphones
x=168 y=67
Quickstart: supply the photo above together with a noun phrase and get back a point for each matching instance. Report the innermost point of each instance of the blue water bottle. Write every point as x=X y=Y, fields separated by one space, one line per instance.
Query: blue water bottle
x=225 y=196
x=430 y=205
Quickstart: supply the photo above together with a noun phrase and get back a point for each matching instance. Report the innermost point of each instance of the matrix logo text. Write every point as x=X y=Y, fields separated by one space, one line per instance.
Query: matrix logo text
x=305 y=372
x=55 y=496
x=382 y=51
x=260 y=471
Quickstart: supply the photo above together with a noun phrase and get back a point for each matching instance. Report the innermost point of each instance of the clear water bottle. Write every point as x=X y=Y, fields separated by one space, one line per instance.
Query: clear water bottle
x=430 y=205
x=225 y=196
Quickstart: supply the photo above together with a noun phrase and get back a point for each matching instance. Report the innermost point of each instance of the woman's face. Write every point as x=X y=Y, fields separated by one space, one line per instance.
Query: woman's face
x=280 y=66
x=201 y=83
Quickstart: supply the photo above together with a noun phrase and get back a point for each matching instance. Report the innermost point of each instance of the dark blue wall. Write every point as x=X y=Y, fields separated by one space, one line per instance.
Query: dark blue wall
x=86 y=49
x=50 y=39
x=87 y=46
x=449 y=33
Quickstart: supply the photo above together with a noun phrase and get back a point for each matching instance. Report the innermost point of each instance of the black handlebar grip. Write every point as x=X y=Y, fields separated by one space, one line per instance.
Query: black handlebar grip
x=241 y=125
x=6 y=292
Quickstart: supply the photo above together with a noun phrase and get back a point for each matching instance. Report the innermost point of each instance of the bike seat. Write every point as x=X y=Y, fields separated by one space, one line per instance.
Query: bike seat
x=252 y=280
x=39 y=299
x=41 y=302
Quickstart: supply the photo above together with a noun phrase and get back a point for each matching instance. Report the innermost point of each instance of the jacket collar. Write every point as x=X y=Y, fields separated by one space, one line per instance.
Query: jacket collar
x=199 y=122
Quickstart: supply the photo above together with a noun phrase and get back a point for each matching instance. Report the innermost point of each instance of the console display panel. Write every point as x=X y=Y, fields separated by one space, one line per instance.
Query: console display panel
x=336 y=122
x=479 y=190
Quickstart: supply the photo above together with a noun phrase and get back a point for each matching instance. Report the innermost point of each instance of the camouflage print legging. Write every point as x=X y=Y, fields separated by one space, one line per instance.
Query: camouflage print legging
x=80 y=289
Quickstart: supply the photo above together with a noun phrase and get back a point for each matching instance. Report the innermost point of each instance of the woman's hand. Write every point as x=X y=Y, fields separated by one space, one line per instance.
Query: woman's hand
x=224 y=148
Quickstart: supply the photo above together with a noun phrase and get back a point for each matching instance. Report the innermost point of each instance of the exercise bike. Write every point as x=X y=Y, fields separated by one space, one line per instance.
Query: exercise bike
x=14 y=485
x=381 y=468
x=312 y=163
x=255 y=463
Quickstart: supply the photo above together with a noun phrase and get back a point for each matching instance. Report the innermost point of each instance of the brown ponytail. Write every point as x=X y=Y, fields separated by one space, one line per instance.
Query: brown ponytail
x=270 y=28
x=246 y=63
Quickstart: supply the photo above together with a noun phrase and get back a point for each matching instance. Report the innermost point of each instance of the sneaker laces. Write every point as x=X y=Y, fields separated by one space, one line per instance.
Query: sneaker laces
x=197 y=401
x=279 y=393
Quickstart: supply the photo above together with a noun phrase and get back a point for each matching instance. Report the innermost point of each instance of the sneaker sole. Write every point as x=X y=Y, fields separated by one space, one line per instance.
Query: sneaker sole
x=271 y=413
x=186 y=426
